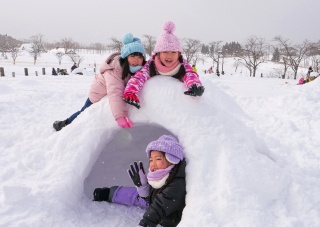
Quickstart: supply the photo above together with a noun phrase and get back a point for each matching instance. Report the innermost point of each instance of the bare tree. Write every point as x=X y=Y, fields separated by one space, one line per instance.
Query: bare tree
x=3 y=46
x=15 y=51
x=191 y=47
x=36 y=47
x=252 y=54
x=285 y=62
x=294 y=53
x=115 y=45
x=214 y=50
x=79 y=60
x=149 y=44
x=59 y=55
x=196 y=58
x=236 y=64
x=70 y=49
x=75 y=58
x=314 y=54
x=8 y=44
x=68 y=44
x=99 y=47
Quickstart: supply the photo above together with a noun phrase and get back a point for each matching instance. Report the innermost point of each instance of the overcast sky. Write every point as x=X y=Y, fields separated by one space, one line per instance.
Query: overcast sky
x=89 y=21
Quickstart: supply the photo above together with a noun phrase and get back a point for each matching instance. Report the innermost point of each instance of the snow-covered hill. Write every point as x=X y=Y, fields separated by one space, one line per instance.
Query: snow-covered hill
x=252 y=147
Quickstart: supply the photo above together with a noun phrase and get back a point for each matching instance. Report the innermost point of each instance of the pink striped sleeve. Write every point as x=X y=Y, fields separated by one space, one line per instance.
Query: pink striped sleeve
x=136 y=82
x=191 y=77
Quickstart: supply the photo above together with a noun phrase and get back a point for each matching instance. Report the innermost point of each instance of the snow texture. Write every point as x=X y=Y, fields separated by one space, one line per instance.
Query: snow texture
x=251 y=144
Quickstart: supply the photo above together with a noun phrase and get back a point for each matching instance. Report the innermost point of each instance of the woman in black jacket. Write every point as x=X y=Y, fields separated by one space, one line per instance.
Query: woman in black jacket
x=162 y=191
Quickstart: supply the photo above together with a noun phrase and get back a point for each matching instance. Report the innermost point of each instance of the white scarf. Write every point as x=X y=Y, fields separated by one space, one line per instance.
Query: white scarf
x=156 y=184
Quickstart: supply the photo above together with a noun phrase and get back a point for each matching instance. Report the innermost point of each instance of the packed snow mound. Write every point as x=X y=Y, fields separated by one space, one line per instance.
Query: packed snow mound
x=232 y=177
x=83 y=71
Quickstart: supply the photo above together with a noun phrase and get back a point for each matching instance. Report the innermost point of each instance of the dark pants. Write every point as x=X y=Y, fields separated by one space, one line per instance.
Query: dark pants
x=73 y=116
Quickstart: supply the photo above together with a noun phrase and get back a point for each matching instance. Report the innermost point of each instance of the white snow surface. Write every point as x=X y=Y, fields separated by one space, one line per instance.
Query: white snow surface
x=252 y=148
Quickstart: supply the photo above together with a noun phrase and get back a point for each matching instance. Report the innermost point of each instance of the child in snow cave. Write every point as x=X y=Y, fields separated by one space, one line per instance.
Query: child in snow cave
x=162 y=191
x=114 y=74
x=166 y=61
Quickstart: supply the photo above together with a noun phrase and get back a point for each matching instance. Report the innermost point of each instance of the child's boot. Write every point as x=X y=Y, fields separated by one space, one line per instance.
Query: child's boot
x=101 y=194
x=58 y=125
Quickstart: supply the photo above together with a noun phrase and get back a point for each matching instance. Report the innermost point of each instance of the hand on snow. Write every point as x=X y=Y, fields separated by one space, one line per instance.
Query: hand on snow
x=101 y=194
x=124 y=122
x=139 y=178
x=131 y=99
x=195 y=90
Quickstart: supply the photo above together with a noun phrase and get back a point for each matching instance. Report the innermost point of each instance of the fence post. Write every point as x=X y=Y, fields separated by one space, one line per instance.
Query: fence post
x=13 y=74
x=1 y=71
x=36 y=73
x=26 y=71
x=43 y=71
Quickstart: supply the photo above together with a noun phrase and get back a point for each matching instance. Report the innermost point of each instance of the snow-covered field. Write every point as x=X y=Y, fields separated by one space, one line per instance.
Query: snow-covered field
x=252 y=147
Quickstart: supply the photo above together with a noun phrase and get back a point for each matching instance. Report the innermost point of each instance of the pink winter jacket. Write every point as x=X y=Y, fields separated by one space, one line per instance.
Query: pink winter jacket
x=108 y=82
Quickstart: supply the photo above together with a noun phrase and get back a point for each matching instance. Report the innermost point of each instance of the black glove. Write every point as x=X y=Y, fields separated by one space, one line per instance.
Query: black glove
x=131 y=99
x=195 y=90
x=101 y=194
x=134 y=173
x=139 y=178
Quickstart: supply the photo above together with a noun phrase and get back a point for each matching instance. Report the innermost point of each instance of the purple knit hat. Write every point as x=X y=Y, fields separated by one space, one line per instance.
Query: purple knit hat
x=167 y=40
x=170 y=146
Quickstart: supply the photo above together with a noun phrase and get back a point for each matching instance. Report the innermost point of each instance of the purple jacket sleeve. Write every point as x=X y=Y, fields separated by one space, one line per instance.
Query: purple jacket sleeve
x=127 y=196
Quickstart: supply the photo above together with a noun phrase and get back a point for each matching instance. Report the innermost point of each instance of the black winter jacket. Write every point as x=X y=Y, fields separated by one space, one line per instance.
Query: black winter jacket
x=167 y=202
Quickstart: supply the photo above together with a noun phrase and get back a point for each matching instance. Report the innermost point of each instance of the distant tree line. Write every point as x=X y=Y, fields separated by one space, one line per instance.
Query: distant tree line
x=9 y=45
x=251 y=53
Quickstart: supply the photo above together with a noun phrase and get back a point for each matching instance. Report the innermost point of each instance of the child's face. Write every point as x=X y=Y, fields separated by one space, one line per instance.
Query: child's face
x=158 y=161
x=169 y=58
x=135 y=60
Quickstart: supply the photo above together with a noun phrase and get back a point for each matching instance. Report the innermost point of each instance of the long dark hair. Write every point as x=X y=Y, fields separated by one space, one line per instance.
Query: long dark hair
x=179 y=75
x=172 y=174
x=125 y=65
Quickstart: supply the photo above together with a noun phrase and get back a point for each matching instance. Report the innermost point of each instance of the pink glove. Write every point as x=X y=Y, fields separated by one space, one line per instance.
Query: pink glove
x=124 y=122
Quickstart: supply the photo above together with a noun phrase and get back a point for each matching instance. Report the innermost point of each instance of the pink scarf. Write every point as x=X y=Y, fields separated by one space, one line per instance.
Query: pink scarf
x=164 y=69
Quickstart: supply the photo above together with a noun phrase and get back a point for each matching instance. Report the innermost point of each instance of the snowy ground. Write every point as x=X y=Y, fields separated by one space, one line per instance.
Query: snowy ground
x=252 y=147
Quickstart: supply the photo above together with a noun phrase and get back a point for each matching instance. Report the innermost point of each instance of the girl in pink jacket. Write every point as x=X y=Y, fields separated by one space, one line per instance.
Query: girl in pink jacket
x=166 y=61
x=114 y=74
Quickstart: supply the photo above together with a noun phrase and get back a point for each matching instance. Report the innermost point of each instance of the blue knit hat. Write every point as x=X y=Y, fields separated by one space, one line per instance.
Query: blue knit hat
x=170 y=146
x=130 y=45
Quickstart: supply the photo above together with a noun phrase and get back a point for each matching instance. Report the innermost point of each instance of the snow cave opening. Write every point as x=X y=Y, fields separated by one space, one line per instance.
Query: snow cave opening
x=125 y=147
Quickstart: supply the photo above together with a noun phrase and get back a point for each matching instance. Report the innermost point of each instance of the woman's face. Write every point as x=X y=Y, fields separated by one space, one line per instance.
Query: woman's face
x=135 y=60
x=158 y=161
x=169 y=58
